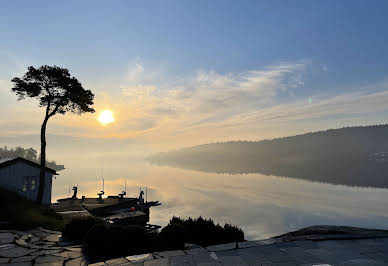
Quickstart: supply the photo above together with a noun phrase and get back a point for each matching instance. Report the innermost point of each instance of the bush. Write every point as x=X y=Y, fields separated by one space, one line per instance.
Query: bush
x=77 y=228
x=204 y=232
x=22 y=213
x=104 y=241
x=172 y=237
x=110 y=241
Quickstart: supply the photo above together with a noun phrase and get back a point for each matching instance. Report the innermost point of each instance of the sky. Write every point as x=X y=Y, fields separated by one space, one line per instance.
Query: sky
x=183 y=73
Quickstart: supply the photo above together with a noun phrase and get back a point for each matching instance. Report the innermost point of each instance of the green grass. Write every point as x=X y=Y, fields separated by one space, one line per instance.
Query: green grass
x=21 y=213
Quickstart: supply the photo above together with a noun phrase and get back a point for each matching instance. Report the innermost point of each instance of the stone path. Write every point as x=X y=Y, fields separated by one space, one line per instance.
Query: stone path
x=38 y=247
x=373 y=252
x=44 y=247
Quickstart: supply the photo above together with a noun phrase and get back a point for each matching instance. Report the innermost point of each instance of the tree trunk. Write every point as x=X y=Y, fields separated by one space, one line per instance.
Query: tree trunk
x=42 y=175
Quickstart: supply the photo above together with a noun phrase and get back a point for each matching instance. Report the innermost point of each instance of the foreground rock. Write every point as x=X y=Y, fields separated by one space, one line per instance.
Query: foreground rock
x=38 y=247
x=318 y=245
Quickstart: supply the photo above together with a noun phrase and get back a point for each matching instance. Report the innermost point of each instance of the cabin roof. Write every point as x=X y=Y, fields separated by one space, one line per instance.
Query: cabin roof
x=11 y=160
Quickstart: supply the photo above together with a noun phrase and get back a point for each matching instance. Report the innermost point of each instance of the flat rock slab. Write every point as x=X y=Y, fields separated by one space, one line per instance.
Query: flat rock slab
x=68 y=254
x=53 y=238
x=168 y=254
x=49 y=231
x=247 y=244
x=23 y=259
x=182 y=260
x=49 y=258
x=6 y=238
x=14 y=251
x=21 y=264
x=97 y=264
x=77 y=262
x=4 y=260
x=362 y=262
x=206 y=258
x=45 y=252
x=140 y=258
x=74 y=248
x=233 y=261
x=54 y=263
x=222 y=247
x=196 y=251
x=157 y=262
x=117 y=261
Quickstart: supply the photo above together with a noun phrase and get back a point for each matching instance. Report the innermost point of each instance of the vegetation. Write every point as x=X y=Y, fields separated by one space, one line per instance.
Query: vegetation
x=77 y=229
x=103 y=241
x=29 y=154
x=204 y=232
x=60 y=93
x=340 y=156
x=24 y=214
x=110 y=241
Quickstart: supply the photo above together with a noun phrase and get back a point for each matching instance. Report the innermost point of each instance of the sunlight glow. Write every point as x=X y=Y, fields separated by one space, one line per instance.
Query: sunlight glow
x=106 y=117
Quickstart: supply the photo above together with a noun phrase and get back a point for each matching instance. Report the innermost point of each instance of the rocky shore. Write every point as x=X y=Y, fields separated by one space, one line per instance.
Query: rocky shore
x=316 y=245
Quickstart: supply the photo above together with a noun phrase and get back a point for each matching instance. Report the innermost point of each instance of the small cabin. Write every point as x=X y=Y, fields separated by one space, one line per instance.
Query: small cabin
x=22 y=176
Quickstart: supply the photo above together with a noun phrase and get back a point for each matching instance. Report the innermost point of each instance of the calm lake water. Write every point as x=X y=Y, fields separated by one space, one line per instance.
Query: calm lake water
x=263 y=206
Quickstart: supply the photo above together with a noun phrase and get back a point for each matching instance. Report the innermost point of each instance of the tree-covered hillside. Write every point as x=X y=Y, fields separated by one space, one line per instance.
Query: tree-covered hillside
x=29 y=154
x=350 y=156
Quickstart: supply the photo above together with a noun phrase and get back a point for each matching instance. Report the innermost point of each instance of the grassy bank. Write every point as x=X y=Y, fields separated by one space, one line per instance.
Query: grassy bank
x=21 y=213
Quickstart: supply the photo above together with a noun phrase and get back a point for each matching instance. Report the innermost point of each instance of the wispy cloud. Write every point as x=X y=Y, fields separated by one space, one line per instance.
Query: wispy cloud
x=205 y=106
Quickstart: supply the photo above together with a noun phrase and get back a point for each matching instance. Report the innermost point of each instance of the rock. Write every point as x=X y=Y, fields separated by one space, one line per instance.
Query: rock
x=14 y=251
x=54 y=263
x=49 y=231
x=4 y=260
x=65 y=243
x=140 y=258
x=116 y=261
x=21 y=264
x=222 y=247
x=6 y=238
x=74 y=248
x=53 y=238
x=77 y=262
x=40 y=234
x=48 y=259
x=68 y=254
x=157 y=262
x=23 y=259
x=171 y=253
x=97 y=264
x=45 y=252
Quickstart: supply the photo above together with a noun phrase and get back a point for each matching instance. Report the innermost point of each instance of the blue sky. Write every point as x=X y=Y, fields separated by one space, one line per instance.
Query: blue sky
x=269 y=58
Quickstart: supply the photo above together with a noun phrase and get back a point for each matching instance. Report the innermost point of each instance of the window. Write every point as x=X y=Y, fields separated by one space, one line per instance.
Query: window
x=29 y=183
x=25 y=184
x=33 y=184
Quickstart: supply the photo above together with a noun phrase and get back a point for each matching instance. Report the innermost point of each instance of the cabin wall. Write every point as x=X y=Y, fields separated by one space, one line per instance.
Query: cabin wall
x=24 y=179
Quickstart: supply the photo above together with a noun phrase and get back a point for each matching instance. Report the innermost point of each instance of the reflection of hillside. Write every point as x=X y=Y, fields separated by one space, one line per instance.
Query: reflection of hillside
x=341 y=156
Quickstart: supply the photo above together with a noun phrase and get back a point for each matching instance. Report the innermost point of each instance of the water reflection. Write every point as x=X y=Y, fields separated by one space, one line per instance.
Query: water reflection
x=262 y=205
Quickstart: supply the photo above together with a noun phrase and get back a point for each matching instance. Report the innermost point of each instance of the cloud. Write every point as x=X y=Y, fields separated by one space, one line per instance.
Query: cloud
x=210 y=95
x=156 y=108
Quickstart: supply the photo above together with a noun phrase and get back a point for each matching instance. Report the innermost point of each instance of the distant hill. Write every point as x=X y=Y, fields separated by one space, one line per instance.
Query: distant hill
x=356 y=156
x=29 y=154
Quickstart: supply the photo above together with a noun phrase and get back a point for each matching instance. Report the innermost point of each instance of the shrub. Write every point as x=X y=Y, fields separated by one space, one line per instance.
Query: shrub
x=172 y=237
x=205 y=232
x=110 y=241
x=77 y=228
x=22 y=213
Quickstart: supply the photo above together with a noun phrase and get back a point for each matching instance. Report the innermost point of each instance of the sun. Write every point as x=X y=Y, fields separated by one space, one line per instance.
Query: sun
x=106 y=117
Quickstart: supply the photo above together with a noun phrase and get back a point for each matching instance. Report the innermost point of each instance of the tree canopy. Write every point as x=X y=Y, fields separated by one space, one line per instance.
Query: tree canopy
x=55 y=88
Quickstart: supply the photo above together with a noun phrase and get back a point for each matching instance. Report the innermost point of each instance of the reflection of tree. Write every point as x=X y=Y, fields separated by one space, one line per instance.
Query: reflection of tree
x=29 y=154
x=341 y=156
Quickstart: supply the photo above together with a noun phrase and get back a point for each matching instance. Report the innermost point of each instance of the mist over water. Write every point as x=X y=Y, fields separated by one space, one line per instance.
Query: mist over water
x=263 y=206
